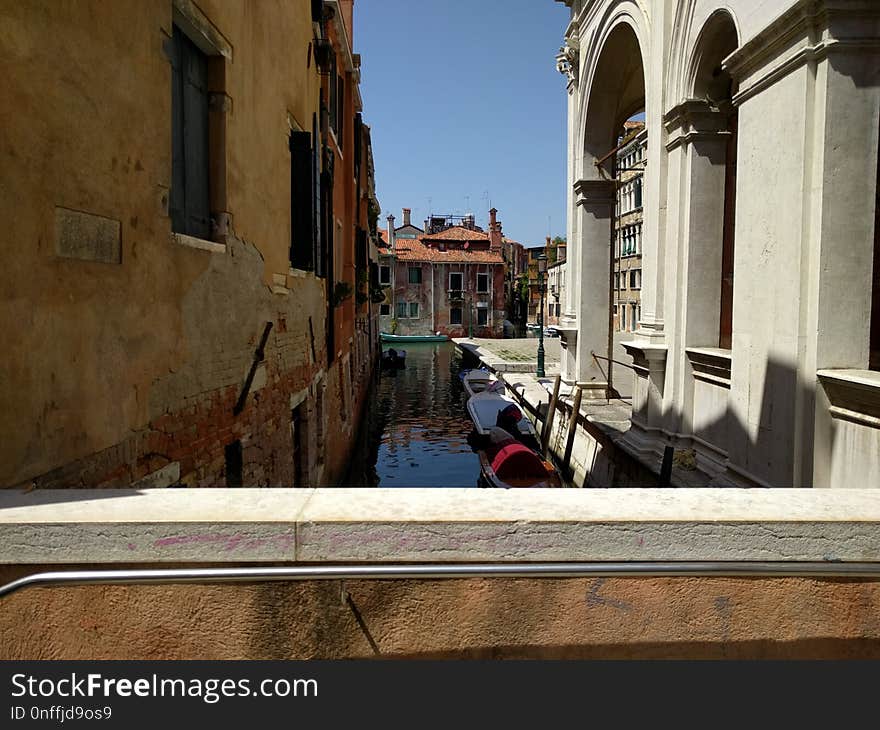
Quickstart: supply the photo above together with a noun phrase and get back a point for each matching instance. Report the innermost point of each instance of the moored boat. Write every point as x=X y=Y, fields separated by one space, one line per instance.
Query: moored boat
x=479 y=380
x=387 y=337
x=392 y=358
x=488 y=410
x=506 y=463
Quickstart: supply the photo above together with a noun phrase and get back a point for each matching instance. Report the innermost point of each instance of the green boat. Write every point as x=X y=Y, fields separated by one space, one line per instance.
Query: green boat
x=386 y=337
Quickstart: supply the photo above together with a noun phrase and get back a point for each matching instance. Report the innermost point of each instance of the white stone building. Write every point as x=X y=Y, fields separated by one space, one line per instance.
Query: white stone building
x=760 y=323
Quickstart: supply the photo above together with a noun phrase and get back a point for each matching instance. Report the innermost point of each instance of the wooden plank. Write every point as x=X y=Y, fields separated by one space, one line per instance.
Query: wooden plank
x=572 y=428
x=551 y=413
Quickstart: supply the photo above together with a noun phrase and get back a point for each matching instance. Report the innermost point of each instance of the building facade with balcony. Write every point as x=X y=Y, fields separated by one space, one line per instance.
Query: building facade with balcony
x=630 y=161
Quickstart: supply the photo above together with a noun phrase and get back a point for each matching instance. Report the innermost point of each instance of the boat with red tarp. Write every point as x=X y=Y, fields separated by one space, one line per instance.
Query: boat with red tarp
x=506 y=462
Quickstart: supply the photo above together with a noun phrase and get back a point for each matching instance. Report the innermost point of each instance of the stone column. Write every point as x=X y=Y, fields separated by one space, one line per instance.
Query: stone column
x=595 y=208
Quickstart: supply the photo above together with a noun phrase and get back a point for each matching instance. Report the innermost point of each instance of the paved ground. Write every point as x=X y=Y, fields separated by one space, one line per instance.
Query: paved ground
x=514 y=355
x=521 y=356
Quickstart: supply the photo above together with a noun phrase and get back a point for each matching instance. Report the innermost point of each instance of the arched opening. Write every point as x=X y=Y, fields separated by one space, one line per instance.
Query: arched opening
x=714 y=87
x=616 y=94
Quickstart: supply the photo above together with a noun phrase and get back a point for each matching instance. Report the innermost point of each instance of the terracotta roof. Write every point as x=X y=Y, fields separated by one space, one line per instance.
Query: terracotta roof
x=412 y=249
x=458 y=233
x=383 y=234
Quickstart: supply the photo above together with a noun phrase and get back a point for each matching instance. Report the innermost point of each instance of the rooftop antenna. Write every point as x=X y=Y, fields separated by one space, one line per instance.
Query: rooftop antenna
x=467 y=204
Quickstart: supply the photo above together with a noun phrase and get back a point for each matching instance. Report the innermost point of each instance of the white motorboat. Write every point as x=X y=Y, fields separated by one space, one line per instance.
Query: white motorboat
x=480 y=380
x=486 y=407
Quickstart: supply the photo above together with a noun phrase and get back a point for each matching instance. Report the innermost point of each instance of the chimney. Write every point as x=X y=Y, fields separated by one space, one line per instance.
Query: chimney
x=406 y=212
x=494 y=231
x=391 y=232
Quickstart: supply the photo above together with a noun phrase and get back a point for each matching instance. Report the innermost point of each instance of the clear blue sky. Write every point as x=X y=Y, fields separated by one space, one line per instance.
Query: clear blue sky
x=466 y=106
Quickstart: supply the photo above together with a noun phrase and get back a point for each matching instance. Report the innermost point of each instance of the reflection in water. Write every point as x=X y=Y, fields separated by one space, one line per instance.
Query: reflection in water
x=415 y=433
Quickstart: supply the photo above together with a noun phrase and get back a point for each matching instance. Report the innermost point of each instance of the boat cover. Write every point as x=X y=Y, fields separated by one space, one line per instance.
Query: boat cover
x=513 y=460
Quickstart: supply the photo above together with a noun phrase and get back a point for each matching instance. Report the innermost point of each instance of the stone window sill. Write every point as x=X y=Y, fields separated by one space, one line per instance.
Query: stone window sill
x=854 y=395
x=199 y=243
x=710 y=364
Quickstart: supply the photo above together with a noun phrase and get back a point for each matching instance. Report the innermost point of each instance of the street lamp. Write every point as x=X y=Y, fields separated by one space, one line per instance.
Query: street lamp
x=542 y=268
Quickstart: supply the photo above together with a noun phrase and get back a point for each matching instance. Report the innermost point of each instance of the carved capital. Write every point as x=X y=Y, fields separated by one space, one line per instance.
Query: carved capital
x=567 y=61
x=595 y=192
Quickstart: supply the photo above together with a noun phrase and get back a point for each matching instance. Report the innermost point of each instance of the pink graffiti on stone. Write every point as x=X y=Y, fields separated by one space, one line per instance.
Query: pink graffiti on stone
x=227 y=542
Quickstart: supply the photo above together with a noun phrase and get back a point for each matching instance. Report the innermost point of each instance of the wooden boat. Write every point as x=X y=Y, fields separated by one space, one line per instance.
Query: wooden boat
x=488 y=410
x=387 y=337
x=505 y=463
x=392 y=358
x=480 y=380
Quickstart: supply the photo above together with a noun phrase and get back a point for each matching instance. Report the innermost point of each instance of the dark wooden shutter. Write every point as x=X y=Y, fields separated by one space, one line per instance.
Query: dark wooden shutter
x=195 y=140
x=190 y=198
x=318 y=250
x=178 y=180
x=301 y=200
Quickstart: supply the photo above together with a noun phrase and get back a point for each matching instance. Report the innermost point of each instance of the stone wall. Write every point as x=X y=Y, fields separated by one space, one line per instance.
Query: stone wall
x=793 y=616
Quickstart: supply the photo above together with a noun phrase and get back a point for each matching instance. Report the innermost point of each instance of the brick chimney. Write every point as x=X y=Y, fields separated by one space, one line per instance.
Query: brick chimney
x=391 y=232
x=406 y=214
x=494 y=231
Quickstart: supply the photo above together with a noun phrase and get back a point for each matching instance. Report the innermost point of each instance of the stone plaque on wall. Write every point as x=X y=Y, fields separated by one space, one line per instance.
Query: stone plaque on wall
x=87 y=237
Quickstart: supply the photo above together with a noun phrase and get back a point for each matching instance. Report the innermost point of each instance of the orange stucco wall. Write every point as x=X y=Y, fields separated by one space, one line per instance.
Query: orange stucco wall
x=488 y=618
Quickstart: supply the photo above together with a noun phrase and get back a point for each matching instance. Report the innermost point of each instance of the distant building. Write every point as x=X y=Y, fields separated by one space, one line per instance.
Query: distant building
x=630 y=165
x=444 y=279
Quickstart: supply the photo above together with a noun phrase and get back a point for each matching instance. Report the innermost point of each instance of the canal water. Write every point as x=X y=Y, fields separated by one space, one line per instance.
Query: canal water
x=415 y=432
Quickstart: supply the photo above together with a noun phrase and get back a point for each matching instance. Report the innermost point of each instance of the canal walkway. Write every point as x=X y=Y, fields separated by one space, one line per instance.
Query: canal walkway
x=513 y=355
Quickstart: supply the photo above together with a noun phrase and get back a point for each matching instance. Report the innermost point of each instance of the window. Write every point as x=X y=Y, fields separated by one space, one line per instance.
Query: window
x=414 y=310
x=384 y=274
x=384 y=309
x=482 y=317
x=637 y=193
x=301 y=199
x=401 y=310
x=190 y=196
x=633 y=321
x=455 y=315
x=623 y=317
x=415 y=275
x=634 y=277
x=455 y=282
x=482 y=283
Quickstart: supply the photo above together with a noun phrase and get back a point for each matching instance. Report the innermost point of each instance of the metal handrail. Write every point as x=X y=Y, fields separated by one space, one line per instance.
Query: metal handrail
x=435 y=571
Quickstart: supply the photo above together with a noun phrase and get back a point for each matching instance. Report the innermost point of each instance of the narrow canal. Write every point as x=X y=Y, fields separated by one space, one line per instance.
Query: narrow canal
x=415 y=433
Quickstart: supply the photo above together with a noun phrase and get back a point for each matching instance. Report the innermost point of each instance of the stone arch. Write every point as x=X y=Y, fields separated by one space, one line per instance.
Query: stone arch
x=719 y=37
x=613 y=86
x=612 y=89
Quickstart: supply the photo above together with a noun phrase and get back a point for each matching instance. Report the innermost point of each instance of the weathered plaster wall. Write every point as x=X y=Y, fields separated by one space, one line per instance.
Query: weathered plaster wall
x=117 y=369
x=474 y=618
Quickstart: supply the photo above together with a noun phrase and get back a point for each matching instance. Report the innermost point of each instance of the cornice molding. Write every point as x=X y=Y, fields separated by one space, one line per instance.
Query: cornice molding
x=810 y=29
